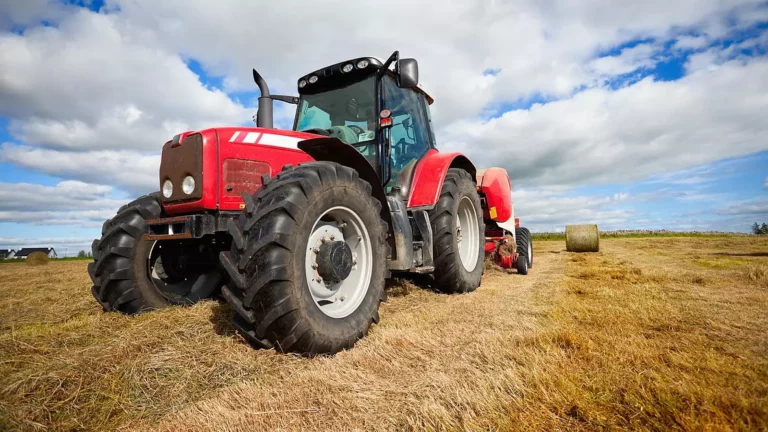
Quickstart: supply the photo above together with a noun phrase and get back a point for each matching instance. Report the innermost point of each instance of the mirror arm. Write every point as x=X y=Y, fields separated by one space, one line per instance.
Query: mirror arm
x=393 y=58
x=287 y=99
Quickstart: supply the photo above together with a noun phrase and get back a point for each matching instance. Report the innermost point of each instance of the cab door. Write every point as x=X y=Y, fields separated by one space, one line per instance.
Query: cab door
x=409 y=136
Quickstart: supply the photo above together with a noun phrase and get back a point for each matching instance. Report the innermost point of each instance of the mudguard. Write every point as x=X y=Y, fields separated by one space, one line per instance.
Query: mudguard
x=494 y=184
x=429 y=176
x=334 y=150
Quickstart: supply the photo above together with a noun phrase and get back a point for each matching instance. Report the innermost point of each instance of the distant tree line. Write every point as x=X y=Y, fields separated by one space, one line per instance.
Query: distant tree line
x=760 y=229
x=83 y=254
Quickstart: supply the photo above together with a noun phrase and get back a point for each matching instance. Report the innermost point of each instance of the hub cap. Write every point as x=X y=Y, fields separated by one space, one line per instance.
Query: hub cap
x=339 y=262
x=467 y=234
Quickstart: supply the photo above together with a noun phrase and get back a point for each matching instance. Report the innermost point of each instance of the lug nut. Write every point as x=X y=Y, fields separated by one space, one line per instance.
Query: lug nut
x=315 y=250
x=314 y=266
x=333 y=237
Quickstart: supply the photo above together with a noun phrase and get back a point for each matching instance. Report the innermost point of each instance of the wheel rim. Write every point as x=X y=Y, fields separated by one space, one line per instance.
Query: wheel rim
x=530 y=253
x=196 y=286
x=338 y=299
x=467 y=233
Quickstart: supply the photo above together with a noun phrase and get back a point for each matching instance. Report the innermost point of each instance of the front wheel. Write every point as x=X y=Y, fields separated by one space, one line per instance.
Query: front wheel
x=131 y=274
x=459 y=234
x=308 y=261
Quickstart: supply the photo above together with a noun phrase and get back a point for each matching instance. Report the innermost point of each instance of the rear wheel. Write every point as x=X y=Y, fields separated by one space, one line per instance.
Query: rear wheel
x=131 y=275
x=525 y=243
x=459 y=234
x=308 y=261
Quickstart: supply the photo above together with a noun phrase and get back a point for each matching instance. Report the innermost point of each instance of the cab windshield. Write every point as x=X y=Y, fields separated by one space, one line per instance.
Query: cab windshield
x=347 y=113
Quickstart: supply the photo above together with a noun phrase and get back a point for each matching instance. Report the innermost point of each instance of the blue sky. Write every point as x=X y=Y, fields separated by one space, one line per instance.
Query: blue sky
x=571 y=116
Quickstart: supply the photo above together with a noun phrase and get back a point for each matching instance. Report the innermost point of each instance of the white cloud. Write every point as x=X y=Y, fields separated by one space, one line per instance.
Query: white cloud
x=647 y=128
x=67 y=203
x=629 y=60
x=539 y=47
x=29 y=12
x=93 y=97
x=132 y=171
x=96 y=82
x=550 y=209
x=757 y=206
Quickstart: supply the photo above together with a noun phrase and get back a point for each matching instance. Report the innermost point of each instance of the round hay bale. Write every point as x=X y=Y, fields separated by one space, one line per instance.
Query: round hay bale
x=582 y=238
x=37 y=258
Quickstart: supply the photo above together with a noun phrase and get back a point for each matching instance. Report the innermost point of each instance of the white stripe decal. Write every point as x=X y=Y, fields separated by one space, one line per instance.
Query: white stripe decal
x=234 y=136
x=251 y=137
x=280 y=141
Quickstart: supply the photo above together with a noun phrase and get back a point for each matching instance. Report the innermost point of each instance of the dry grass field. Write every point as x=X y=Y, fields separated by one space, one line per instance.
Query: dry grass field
x=648 y=334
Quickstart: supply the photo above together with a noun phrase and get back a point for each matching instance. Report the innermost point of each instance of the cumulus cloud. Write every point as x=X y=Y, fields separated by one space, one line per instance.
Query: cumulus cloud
x=757 y=206
x=94 y=95
x=550 y=209
x=66 y=203
x=132 y=171
x=538 y=47
x=95 y=82
x=608 y=136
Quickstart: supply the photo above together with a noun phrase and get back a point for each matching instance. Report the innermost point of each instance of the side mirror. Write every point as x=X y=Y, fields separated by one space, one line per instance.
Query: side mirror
x=407 y=73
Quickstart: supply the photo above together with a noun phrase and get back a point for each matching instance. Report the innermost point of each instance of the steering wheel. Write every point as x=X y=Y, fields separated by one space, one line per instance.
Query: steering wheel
x=318 y=131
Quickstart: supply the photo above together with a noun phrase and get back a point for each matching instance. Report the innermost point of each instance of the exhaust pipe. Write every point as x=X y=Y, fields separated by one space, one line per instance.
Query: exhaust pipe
x=264 y=116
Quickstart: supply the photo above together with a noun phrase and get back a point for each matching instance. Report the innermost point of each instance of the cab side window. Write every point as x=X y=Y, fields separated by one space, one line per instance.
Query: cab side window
x=408 y=134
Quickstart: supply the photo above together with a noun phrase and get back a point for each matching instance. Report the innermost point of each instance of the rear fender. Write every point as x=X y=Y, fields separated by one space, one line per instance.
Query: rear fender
x=334 y=150
x=494 y=185
x=430 y=174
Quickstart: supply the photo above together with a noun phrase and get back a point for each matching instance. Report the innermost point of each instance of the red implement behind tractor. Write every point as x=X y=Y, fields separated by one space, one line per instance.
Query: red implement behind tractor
x=299 y=229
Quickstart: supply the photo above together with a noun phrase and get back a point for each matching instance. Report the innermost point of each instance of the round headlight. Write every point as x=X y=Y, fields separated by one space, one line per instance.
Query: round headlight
x=302 y=83
x=347 y=68
x=362 y=64
x=167 y=189
x=188 y=185
x=313 y=79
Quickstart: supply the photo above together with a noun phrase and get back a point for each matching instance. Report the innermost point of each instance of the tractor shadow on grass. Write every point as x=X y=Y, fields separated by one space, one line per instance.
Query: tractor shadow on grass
x=407 y=283
x=221 y=318
x=742 y=254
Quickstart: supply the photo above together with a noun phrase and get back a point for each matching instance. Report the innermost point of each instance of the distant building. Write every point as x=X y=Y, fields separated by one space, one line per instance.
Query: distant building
x=7 y=254
x=23 y=253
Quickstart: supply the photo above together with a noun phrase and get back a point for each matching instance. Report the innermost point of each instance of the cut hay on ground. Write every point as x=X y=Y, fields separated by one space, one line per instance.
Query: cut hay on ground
x=638 y=336
x=582 y=238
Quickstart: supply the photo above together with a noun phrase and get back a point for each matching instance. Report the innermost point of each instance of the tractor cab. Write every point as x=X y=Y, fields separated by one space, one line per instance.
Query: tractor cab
x=381 y=113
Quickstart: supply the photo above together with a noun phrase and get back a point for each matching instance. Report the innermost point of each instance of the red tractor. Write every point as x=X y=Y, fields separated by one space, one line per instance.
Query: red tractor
x=299 y=229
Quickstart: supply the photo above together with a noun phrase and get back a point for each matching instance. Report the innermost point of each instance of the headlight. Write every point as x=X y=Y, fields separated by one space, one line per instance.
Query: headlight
x=313 y=79
x=167 y=189
x=362 y=64
x=302 y=84
x=188 y=185
x=347 y=68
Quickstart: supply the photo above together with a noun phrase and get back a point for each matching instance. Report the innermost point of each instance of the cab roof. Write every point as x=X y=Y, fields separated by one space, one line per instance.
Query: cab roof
x=331 y=76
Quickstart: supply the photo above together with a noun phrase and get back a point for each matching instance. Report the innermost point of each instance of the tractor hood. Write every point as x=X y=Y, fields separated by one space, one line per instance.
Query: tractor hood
x=223 y=163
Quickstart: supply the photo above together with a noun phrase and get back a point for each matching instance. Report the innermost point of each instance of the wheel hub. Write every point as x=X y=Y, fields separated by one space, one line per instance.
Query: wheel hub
x=334 y=261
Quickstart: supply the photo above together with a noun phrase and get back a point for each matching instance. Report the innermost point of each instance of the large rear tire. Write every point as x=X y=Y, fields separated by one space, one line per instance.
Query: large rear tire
x=123 y=271
x=459 y=234
x=308 y=261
